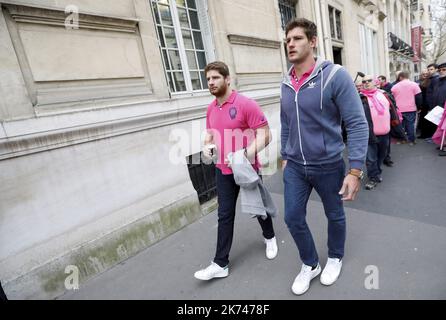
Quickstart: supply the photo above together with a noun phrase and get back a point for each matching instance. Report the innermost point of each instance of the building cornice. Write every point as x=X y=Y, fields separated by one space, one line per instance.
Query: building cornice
x=28 y=136
x=55 y=17
x=253 y=41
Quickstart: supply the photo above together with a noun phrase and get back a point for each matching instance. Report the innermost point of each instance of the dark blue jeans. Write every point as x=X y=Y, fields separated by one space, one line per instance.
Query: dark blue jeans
x=299 y=181
x=409 y=124
x=388 y=157
x=227 y=193
x=376 y=153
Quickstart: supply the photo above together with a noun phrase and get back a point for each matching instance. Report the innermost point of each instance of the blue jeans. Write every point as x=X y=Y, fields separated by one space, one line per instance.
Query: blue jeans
x=409 y=124
x=376 y=153
x=227 y=193
x=299 y=181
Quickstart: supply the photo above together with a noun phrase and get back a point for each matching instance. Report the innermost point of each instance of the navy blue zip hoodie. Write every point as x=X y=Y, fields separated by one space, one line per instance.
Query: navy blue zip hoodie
x=311 y=118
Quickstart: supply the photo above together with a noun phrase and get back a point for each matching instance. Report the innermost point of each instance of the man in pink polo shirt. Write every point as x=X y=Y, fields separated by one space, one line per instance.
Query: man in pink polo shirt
x=233 y=122
x=408 y=99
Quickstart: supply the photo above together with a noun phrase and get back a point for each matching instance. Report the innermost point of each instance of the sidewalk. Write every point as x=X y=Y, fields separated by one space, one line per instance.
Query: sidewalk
x=398 y=228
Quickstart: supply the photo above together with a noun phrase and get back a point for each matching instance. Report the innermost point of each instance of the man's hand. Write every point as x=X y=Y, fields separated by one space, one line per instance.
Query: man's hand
x=284 y=162
x=350 y=187
x=208 y=147
x=209 y=150
x=228 y=160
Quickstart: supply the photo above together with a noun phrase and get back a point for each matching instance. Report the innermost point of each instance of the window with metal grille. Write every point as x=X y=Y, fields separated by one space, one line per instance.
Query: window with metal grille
x=287 y=11
x=184 y=38
x=202 y=177
x=335 y=23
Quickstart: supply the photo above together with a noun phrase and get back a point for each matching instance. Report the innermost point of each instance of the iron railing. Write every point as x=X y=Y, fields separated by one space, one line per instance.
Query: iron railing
x=202 y=177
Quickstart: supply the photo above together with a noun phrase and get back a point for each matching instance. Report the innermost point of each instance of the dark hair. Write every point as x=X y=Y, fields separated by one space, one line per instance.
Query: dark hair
x=219 y=66
x=425 y=83
x=403 y=74
x=433 y=65
x=309 y=27
x=383 y=77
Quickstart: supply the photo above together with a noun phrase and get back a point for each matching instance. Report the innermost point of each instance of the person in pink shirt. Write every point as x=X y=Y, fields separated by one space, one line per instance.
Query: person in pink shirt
x=233 y=122
x=380 y=116
x=409 y=99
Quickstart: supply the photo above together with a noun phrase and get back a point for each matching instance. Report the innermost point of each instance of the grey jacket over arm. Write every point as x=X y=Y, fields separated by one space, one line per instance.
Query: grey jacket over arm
x=255 y=198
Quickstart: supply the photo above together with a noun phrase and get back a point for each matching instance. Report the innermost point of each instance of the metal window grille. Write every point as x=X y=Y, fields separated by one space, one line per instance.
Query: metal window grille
x=335 y=23
x=287 y=11
x=182 y=44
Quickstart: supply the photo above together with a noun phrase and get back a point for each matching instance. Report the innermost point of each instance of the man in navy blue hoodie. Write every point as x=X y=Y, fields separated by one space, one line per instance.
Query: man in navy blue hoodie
x=316 y=96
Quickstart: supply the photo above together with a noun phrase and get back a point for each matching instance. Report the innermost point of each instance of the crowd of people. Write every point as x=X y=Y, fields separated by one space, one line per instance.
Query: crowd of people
x=396 y=111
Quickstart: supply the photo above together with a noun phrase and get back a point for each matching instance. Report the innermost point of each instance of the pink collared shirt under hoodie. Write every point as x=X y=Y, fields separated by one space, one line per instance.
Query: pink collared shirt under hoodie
x=299 y=82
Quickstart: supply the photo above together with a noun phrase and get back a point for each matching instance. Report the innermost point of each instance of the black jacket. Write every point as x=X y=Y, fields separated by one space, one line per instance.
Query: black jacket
x=429 y=96
x=438 y=92
x=387 y=87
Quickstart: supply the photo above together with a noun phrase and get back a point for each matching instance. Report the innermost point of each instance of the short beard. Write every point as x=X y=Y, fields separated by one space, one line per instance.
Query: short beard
x=220 y=92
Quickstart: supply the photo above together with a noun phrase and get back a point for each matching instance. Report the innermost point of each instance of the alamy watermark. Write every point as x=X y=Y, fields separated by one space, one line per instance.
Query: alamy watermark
x=371 y=282
x=371 y=13
x=72 y=20
x=72 y=280
x=186 y=142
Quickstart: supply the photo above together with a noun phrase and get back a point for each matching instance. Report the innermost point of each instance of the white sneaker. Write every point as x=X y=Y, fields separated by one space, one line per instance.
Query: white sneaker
x=213 y=271
x=303 y=279
x=331 y=271
x=271 y=248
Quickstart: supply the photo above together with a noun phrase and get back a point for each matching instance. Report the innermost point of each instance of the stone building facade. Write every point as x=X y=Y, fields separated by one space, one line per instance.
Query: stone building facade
x=102 y=102
x=398 y=26
x=96 y=101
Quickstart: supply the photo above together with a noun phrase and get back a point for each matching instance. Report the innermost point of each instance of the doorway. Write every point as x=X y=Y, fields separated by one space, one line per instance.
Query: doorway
x=337 y=55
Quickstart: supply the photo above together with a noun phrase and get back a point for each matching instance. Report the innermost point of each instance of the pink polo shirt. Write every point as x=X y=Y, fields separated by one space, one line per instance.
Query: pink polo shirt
x=404 y=93
x=298 y=83
x=233 y=126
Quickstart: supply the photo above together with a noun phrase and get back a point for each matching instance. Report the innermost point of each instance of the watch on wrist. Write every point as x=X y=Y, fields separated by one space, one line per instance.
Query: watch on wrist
x=357 y=173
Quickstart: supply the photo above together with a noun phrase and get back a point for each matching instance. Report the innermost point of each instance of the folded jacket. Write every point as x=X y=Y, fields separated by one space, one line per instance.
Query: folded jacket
x=255 y=198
